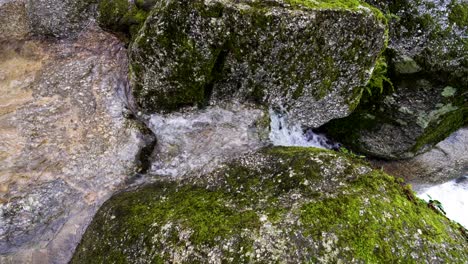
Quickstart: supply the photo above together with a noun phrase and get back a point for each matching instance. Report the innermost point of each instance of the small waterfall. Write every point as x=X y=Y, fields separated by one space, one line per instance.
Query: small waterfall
x=453 y=196
x=284 y=134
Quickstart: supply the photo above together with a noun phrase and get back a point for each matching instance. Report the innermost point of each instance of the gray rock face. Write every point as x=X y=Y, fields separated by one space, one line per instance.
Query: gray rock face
x=13 y=20
x=66 y=145
x=199 y=141
x=448 y=160
x=59 y=18
x=428 y=66
x=310 y=59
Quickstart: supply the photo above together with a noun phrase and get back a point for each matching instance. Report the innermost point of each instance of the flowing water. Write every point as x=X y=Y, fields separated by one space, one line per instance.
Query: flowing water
x=282 y=133
x=453 y=196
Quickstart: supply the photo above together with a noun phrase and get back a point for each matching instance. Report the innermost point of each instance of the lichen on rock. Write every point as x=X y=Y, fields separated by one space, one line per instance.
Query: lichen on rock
x=277 y=205
x=311 y=59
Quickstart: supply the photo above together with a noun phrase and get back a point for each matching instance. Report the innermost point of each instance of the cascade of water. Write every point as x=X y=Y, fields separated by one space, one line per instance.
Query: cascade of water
x=453 y=196
x=284 y=134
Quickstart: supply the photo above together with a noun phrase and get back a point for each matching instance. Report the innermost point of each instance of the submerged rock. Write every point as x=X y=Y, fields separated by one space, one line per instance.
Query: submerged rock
x=59 y=18
x=65 y=142
x=428 y=66
x=310 y=58
x=286 y=205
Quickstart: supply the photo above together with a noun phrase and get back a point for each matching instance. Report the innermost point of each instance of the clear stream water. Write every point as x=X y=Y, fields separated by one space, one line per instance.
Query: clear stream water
x=453 y=195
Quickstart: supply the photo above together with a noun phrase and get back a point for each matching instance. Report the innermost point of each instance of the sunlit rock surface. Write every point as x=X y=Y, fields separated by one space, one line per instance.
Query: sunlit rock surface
x=65 y=144
x=279 y=205
x=311 y=58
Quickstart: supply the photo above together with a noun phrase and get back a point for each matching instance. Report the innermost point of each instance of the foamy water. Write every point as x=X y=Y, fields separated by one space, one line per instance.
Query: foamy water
x=454 y=198
x=284 y=134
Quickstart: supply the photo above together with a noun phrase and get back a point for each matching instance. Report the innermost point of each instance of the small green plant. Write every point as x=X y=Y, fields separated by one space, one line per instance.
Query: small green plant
x=350 y=153
x=435 y=205
x=379 y=77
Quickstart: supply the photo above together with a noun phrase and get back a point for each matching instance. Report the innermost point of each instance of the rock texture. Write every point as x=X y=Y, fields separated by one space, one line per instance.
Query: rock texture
x=59 y=18
x=199 y=141
x=66 y=144
x=310 y=58
x=448 y=160
x=13 y=20
x=428 y=66
x=280 y=205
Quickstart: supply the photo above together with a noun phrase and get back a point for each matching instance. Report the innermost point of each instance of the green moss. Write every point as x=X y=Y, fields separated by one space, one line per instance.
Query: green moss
x=442 y=127
x=379 y=77
x=121 y=16
x=361 y=220
x=167 y=208
x=459 y=14
x=313 y=197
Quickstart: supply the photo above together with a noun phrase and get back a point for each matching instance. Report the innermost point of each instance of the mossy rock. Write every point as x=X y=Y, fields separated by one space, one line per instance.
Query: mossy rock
x=310 y=58
x=123 y=16
x=424 y=96
x=280 y=205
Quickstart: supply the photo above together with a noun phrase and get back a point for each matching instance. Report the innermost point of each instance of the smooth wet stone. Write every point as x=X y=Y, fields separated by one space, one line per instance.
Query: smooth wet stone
x=66 y=144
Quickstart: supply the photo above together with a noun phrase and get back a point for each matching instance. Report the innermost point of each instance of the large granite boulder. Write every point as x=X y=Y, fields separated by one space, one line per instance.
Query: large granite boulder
x=428 y=66
x=65 y=145
x=60 y=18
x=280 y=205
x=308 y=58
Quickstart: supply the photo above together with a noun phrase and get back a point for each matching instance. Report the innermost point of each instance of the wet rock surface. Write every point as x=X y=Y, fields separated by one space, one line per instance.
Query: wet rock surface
x=428 y=65
x=308 y=58
x=290 y=205
x=66 y=144
x=448 y=160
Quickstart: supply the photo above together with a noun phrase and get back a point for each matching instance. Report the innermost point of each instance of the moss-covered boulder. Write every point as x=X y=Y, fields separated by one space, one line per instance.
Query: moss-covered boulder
x=281 y=205
x=59 y=18
x=309 y=57
x=428 y=66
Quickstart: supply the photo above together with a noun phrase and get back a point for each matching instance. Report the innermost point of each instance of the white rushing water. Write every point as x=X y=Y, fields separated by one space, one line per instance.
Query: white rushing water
x=284 y=134
x=453 y=196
